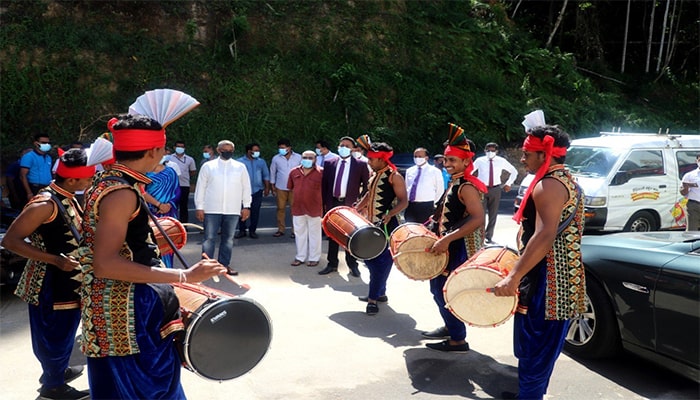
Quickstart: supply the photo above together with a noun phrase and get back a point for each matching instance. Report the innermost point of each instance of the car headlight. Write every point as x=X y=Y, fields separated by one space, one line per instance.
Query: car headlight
x=594 y=201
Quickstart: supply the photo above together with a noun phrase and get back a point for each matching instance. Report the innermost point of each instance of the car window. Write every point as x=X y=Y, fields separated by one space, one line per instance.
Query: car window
x=641 y=163
x=686 y=161
x=591 y=161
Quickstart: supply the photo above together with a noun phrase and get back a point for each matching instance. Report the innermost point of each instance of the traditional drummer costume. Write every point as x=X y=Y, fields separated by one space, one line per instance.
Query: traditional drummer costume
x=451 y=214
x=552 y=292
x=128 y=327
x=51 y=293
x=381 y=200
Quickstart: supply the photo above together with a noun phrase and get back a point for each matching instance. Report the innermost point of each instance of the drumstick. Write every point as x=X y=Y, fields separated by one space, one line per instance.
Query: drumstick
x=228 y=276
x=477 y=290
x=215 y=278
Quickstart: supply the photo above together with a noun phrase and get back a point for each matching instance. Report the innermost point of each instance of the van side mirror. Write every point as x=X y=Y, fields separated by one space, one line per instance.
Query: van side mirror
x=620 y=178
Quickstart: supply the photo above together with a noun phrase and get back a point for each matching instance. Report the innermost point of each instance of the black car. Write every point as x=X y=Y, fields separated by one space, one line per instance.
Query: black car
x=643 y=295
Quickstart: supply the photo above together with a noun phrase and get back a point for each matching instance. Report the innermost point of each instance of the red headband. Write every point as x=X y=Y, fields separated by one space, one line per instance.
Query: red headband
x=135 y=139
x=384 y=155
x=545 y=144
x=459 y=152
x=467 y=155
x=75 y=172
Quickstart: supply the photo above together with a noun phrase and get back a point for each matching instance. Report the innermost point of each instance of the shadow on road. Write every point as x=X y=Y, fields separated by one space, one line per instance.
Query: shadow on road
x=395 y=329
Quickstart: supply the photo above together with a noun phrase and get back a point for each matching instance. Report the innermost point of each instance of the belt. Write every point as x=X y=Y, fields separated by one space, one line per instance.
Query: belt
x=340 y=199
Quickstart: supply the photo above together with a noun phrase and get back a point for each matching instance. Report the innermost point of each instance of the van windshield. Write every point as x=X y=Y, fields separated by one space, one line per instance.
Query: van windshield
x=591 y=161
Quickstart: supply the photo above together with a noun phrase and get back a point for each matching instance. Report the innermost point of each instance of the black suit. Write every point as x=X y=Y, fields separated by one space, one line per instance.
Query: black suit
x=358 y=175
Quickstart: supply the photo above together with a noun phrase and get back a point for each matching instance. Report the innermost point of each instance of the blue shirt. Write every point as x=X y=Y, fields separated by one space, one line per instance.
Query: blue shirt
x=257 y=172
x=280 y=167
x=39 y=166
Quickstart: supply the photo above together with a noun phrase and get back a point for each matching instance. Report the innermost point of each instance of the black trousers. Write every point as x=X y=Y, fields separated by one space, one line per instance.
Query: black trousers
x=419 y=211
x=333 y=248
x=491 y=201
x=184 y=204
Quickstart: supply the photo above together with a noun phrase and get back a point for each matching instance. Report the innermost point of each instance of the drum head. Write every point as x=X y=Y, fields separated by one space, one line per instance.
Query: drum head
x=466 y=297
x=415 y=262
x=227 y=339
x=367 y=243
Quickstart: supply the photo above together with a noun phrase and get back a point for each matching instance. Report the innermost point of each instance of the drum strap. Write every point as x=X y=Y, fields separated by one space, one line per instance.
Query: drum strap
x=64 y=214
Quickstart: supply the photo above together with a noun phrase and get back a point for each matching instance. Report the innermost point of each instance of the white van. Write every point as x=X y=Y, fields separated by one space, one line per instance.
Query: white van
x=631 y=181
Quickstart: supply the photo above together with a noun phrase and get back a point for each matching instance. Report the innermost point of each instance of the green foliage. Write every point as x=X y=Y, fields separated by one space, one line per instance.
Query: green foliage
x=397 y=70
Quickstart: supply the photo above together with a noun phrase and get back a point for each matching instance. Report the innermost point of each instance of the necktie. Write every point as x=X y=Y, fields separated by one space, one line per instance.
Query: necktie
x=491 y=173
x=338 y=180
x=412 y=195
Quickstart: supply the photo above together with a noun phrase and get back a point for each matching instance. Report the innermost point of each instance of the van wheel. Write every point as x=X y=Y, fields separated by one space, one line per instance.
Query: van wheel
x=642 y=221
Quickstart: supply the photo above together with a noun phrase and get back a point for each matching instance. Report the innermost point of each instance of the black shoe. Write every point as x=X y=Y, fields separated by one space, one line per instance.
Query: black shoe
x=253 y=235
x=509 y=395
x=372 y=309
x=64 y=392
x=381 y=299
x=292 y=236
x=239 y=235
x=447 y=347
x=439 y=333
x=354 y=271
x=70 y=374
x=327 y=270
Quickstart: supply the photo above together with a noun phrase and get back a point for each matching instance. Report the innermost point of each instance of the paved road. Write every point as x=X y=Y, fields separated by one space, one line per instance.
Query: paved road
x=325 y=347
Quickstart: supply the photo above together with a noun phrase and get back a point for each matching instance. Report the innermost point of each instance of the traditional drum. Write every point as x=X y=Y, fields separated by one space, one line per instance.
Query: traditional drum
x=410 y=246
x=468 y=290
x=354 y=232
x=225 y=336
x=175 y=231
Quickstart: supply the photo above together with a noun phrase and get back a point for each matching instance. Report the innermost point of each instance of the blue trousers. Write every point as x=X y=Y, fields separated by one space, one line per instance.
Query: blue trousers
x=537 y=342
x=457 y=256
x=379 y=270
x=252 y=222
x=53 y=334
x=212 y=223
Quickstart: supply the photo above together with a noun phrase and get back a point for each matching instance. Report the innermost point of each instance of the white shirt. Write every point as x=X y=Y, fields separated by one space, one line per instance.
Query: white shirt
x=173 y=165
x=322 y=159
x=693 y=177
x=222 y=187
x=500 y=164
x=186 y=164
x=430 y=185
x=344 y=178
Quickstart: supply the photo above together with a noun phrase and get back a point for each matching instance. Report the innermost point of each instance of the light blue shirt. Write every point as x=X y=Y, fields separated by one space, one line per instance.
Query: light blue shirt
x=257 y=171
x=280 y=167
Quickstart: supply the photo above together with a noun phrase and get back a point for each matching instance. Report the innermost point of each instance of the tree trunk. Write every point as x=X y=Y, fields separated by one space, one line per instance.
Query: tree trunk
x=556 y=25
x=624 y=43
x=663 y=36
x=651 y=33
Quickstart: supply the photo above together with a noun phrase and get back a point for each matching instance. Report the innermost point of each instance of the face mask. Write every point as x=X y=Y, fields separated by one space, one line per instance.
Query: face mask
x=419 y=161
x=357 y=154
x=256 y=154
x=490 y=154
x=45 y=147
x=318 y=152
x=283 y=152
x=344 y=151
x=307 y=163
x=206 y=156
x=165 y=159
x=226 y=154
x=180 y=150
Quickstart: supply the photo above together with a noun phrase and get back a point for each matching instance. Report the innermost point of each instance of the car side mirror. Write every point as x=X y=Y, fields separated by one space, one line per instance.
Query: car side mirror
x=620 y=178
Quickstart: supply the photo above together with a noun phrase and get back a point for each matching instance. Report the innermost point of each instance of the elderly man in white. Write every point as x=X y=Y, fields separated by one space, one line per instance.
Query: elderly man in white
x=222 y=196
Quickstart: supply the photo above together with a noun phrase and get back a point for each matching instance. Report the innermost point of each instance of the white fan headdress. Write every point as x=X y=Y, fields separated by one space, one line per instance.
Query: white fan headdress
x=100 y=151
x=163 y=105
x=535 y=118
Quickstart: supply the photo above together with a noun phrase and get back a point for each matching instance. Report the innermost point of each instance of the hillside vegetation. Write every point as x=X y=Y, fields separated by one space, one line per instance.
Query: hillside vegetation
x=397 y=70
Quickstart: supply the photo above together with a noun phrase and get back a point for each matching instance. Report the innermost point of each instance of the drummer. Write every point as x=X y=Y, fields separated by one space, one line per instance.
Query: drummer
x=128 y=311
x=459 y=222
x=386 y=197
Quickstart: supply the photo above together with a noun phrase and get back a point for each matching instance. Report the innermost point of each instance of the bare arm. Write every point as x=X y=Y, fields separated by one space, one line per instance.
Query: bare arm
x=31 y=218
x=549 y=196
x=469 y=196
x=399 y=186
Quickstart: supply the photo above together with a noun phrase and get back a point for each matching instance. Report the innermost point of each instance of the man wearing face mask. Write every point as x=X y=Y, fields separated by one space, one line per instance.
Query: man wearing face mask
x=323 y=152
x=344 y=179
x=187 y=170
x=488 y=169
x=305 y=183
x=425 y=186
x=280 y=166
x=259 y=176
x=35 y=166
x=222 y=196
x=208 y=154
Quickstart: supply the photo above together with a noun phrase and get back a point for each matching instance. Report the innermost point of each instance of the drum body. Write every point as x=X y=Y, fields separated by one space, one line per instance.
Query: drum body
x=354 y=232
x=410 y=244
x=466 y=289
x=225 y=336
x=175 y=231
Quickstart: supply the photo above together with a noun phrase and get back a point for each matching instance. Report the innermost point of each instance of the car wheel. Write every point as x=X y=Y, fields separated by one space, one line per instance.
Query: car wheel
x=642 y=221
x=594 y=334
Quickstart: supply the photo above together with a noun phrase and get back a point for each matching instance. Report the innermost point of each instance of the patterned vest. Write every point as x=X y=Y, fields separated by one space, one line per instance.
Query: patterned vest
x=381 y=195
x=454 y=214
x=108 y=305
x=54 y=237
x=566 y=283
